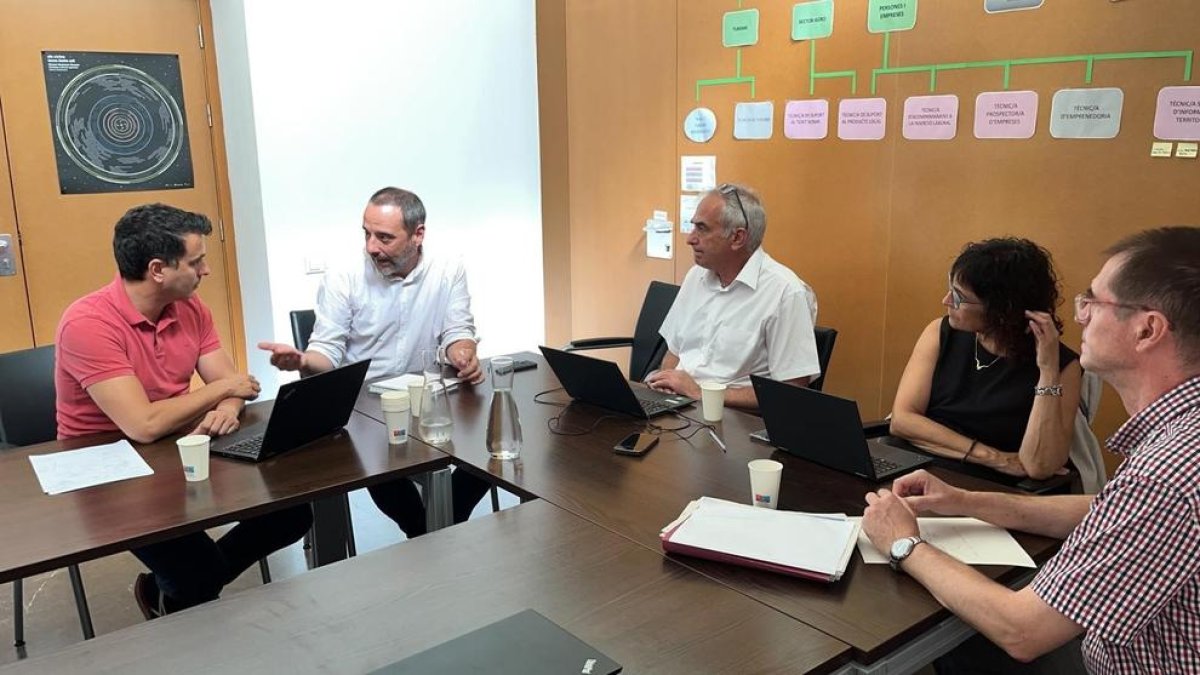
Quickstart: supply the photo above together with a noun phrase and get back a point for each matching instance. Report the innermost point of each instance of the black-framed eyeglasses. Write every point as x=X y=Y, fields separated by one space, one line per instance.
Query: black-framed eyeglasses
x=957 y=299
x=1085 y=300
x=730 y=188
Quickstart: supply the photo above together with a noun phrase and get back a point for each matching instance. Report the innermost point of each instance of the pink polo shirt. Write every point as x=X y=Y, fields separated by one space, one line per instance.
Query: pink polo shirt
x=102 y=336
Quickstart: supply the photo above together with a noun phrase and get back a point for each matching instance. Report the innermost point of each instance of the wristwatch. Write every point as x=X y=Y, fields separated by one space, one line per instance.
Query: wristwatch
x=901 y=549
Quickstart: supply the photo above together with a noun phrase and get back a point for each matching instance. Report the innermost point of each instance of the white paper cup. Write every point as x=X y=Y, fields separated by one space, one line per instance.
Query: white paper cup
x=712 y=399
x=764 y=482
x=416 y=391
x=193 y=452
x=395 y=415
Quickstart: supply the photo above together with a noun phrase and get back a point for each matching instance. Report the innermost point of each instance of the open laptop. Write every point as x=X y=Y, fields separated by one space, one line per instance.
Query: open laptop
x=827 y=430
x=306 y=410
x=601 y=383
x=523 y=644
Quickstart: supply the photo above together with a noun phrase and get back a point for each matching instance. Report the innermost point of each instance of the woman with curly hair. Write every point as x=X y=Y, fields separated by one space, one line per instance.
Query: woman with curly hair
x=989 y=383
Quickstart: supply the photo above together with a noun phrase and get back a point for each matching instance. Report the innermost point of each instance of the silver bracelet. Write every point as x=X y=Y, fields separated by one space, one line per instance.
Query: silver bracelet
x=1052 y=390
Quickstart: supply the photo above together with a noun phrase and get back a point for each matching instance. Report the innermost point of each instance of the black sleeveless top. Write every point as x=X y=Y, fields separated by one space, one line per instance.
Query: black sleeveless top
x=991 y=405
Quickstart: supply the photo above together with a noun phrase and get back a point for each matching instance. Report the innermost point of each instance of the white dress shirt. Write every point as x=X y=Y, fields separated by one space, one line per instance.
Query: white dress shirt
x=761 y=324
x=362 y=314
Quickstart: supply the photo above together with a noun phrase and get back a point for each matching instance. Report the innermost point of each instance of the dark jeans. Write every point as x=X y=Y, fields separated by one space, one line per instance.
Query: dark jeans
x=980 y=656
x=193 y=568
x=400 y=500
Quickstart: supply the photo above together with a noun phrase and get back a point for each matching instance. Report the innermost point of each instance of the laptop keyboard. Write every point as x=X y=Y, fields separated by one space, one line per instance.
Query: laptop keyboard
x=883 y=466
x=249 y=448
x=654 y=407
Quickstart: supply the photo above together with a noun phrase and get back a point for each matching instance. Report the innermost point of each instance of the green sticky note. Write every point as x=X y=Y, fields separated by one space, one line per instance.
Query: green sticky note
x=885 y=16
x=812 y=20
x=740 y=28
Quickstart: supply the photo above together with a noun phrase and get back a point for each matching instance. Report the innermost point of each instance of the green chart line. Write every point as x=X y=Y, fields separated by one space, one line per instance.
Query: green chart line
x=736 y=79
x=1008 y=64
x=813 y=75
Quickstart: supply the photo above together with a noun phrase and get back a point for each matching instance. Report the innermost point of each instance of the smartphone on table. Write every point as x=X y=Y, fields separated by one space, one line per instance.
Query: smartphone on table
x=636 y=444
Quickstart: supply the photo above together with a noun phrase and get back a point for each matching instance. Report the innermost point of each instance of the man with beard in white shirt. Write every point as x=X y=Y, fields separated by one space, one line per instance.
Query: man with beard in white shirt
x=391 y=304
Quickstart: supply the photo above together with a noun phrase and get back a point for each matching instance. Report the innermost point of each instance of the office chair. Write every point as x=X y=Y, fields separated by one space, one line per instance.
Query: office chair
x=27 y=417
x=302 y=326
x=303 y=321
x=647 y=348
x=825 y=338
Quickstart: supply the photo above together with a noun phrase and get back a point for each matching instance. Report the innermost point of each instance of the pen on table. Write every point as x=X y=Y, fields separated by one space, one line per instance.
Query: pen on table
x=718 y=440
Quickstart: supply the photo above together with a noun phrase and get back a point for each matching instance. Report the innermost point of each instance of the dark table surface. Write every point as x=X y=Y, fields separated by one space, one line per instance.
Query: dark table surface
x=647 y=612
x=871 y=608
x=43 y=532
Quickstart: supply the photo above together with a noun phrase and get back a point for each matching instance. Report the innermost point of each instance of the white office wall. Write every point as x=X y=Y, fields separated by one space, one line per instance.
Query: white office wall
x=325 y=102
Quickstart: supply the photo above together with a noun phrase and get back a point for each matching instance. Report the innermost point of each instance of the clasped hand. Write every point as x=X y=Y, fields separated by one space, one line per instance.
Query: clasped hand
x=892 y=514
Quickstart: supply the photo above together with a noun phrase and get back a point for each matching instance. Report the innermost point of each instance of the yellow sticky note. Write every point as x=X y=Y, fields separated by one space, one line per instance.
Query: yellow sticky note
x=1187 y=150
x=1161 y=149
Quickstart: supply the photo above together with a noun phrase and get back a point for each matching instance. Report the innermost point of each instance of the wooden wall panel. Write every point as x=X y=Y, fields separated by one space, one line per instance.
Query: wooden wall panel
x=872 y=226
x=619 y=77
x=551 y=17
x=1075 y=197
x=827 y=211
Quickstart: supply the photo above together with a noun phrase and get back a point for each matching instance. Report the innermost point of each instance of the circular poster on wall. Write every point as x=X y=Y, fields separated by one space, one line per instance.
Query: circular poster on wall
x=700 y=125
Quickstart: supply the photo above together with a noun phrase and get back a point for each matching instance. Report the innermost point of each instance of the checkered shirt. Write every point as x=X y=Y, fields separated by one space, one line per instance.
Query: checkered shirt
x=1130 y=573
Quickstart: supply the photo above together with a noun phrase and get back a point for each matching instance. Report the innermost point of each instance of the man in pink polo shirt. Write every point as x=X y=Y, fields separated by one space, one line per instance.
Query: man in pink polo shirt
x=124 y=362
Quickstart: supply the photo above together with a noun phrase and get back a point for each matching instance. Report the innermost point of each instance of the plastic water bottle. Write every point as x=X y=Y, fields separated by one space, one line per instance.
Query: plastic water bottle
x=504 y=424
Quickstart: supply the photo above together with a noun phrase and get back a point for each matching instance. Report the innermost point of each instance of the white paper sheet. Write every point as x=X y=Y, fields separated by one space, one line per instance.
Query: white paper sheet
x=61 y=472
x=968 y=540
x=698 y=172
x=687 y=209
x=401 y=382
x=815 y=542
x=660 y=234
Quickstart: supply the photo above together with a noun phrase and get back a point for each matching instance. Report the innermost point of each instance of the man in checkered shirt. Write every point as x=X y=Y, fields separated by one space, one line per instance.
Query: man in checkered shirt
x=1128 y=574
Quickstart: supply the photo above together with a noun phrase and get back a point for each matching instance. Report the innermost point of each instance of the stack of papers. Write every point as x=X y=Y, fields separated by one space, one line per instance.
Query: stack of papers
x=809 y=545
x=75 y=469
x=401 y=382
x=968 y=540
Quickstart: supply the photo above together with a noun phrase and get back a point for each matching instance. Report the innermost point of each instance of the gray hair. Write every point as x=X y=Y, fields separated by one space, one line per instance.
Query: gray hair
x=410 y=205
x=743 y=210
x=1161 y=270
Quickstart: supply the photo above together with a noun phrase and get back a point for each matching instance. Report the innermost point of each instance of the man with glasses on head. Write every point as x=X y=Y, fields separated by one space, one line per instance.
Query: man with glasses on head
x=738 y=312
x=1127 y=577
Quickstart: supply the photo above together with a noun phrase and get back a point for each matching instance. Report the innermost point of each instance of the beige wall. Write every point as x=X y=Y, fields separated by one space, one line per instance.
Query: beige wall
x=872 y=226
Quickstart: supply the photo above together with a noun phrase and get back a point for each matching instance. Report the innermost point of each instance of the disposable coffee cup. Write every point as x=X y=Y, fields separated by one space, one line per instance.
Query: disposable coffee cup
x=416 y=391
x=193 y=451
x=395 y=415
x=712 y=400
x=764 y=482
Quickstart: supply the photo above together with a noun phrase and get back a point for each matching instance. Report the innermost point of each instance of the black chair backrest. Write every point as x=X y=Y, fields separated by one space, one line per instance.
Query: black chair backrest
x=27 y=400
x=302 y=326
x=648 y=346
x=825 y=338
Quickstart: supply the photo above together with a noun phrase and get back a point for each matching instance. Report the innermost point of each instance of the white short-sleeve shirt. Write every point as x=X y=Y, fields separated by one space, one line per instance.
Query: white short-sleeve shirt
x=761 y=324
x=362 y=314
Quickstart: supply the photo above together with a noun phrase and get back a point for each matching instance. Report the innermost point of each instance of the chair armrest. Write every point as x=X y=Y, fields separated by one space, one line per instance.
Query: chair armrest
x=598 y=343
x=876 y=428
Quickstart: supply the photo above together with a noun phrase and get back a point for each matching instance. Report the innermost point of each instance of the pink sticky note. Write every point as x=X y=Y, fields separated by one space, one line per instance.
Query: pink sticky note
x=1177 y=116
x=930 y=118
x=862 y=119
x=806 y=120
x=1006 y=114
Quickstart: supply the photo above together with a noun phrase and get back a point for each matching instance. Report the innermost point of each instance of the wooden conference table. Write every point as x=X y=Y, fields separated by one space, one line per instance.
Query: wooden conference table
x=649 y=613
x=43 y=532
x=879 y=613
